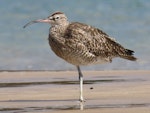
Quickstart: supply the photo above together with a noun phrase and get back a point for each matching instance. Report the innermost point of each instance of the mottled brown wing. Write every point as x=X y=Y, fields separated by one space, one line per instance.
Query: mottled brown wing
x=97 y=42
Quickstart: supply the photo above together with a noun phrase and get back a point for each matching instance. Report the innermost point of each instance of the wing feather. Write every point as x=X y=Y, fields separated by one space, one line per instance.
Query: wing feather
x=96 y=42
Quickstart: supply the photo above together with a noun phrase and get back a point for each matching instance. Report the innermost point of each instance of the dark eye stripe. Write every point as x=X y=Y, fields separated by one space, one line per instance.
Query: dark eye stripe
x=53 y=18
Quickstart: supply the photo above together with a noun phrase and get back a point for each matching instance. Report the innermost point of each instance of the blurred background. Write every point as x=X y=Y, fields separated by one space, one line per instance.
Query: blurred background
x=128 y=21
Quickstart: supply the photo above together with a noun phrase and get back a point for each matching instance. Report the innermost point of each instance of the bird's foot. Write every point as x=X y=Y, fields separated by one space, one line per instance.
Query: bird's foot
x=81 y=103
x=82 y=100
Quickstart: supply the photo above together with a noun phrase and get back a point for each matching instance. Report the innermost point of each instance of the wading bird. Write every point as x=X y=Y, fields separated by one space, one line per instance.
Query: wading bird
x=81 y=44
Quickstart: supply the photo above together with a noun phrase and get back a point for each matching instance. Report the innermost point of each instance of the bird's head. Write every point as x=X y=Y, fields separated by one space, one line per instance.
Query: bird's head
x=57 y=18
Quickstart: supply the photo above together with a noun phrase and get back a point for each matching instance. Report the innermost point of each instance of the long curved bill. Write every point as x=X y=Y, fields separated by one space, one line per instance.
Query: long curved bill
x=37 y=21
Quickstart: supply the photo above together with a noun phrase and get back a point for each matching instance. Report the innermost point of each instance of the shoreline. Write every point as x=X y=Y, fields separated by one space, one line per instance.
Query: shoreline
x=54 y=91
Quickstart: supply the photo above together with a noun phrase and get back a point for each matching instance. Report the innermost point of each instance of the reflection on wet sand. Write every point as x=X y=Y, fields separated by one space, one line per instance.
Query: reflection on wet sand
x=78 y=105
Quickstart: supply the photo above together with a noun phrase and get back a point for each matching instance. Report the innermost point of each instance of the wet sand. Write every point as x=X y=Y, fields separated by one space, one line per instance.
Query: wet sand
x=48 y=91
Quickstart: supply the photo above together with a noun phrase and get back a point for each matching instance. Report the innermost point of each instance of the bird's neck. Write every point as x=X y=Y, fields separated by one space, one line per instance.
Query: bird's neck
x=58 y=30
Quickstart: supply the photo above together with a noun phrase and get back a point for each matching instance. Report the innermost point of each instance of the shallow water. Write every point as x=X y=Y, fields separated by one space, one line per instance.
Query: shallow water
x=27 y=49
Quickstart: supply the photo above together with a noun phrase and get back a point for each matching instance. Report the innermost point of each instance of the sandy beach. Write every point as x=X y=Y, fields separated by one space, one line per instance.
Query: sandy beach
x=50 y=91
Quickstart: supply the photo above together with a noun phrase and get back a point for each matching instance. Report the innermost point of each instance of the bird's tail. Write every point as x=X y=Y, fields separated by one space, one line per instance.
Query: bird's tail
x=129 y=55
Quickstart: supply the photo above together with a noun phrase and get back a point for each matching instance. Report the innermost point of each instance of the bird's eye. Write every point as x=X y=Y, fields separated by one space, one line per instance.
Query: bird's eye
x=57 y=17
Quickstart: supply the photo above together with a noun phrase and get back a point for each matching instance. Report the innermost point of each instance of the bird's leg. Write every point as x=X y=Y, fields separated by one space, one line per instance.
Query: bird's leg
x=81 y=84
